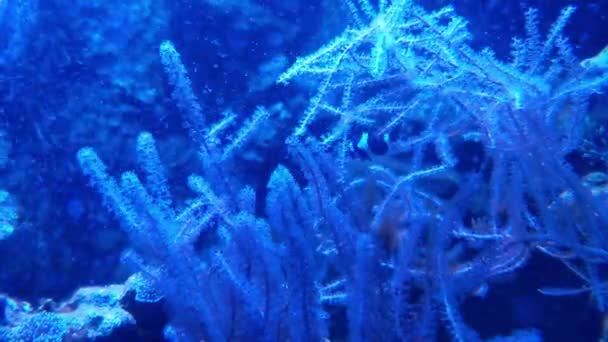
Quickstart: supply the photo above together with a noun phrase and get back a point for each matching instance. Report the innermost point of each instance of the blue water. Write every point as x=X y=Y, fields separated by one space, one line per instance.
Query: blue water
x=388 y=170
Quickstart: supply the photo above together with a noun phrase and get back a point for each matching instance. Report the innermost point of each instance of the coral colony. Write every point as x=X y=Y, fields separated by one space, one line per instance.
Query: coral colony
x=457 y=177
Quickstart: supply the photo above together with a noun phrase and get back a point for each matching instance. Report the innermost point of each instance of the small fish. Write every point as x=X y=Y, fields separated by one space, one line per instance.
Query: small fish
x=597 y=62
x=376 y=145
x=481 y=291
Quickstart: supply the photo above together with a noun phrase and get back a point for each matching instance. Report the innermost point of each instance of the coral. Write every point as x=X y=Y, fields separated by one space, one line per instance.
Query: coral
x=405 y=248
x=91 y=313
x=8 y=215
x=463 y=175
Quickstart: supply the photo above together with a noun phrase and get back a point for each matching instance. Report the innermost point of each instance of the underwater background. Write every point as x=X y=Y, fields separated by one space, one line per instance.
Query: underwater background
x=264 y=170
